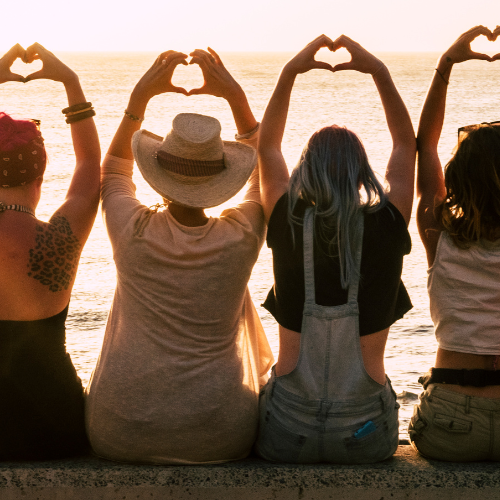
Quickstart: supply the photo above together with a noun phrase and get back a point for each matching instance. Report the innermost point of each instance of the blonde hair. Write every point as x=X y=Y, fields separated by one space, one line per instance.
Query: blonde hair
x=331 y=170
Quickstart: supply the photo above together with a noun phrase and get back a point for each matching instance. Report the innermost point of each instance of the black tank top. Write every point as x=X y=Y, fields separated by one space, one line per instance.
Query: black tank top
x=41 y=396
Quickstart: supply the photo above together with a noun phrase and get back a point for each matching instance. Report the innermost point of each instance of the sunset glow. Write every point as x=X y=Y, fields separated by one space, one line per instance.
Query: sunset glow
x=228 y=25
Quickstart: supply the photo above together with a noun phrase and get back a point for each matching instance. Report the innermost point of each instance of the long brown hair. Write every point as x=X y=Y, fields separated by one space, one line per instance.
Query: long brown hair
x=471 y=208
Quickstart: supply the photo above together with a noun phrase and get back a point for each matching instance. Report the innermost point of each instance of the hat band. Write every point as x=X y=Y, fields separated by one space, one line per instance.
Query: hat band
x=191 y=168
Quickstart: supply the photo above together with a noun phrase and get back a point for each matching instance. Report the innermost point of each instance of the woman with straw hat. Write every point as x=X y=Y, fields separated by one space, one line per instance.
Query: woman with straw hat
x=184 y=352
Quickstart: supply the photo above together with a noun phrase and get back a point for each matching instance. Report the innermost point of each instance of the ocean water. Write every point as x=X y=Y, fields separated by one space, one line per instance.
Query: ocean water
x=319 y=98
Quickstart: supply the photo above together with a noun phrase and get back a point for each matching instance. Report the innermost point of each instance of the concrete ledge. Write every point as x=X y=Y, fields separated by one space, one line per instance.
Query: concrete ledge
x=405 y=476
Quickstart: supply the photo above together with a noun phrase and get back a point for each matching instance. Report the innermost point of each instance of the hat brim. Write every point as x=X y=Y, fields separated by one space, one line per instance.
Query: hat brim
x=198 y=192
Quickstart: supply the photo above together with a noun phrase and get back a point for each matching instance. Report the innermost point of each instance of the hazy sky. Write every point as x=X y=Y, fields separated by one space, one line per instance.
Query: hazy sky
x=241 y=25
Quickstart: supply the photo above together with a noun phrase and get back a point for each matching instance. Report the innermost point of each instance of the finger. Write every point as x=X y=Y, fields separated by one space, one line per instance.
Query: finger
x=180 y=90
x=37 y=75
x=481 y=57
x=342 y=42
x=199 y=91
x=477 y=31
x=174 y=57
x=14 y=77
x=342 y=66
x=326 y=41
x=13 y=53
x=203 y=55
x=323 y=65
x=169 y=55
x=34 y=51
x=31 y=58
x=496 y=57
x=202 y=61
x=215 y=56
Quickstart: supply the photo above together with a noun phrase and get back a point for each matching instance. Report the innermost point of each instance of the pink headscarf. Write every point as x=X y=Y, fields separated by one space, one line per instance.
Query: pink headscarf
x=22 y=153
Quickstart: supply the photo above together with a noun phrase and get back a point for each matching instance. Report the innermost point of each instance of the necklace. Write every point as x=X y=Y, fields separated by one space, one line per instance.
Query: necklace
x=17 y=208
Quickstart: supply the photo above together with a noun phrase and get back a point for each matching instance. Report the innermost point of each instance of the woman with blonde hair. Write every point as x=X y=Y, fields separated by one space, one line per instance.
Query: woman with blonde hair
x=338 y=242
x=458 y=219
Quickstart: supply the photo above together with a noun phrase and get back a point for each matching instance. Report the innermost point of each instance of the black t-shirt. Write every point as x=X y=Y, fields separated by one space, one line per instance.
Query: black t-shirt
x=382 y=297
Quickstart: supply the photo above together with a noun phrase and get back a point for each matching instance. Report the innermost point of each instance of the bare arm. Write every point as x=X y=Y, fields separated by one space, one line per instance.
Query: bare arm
x=430 y=181
x=400 y=173
x=157 y=80
x=272 y=167
x=82 y=198
x=220 y=83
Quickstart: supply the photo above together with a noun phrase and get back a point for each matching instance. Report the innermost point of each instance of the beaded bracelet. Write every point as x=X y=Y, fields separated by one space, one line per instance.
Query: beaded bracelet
x=81 y=116
x=133 y=117
x=77 y=107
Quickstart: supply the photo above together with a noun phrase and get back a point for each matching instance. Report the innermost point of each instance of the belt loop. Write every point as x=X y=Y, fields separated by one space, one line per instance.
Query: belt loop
x=467 y=404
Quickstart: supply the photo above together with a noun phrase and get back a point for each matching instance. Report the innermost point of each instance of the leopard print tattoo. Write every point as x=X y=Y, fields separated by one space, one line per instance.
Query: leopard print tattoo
x=54 y=259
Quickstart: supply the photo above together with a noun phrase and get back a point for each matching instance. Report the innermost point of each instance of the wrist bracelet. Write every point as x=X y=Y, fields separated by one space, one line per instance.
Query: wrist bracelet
x=81 y=116
x=442 y=77
x=238 y=137
x=133 y=117
x=76 y=107
x=73 y=113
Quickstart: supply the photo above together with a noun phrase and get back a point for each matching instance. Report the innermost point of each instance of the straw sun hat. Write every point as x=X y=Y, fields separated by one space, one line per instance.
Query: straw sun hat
x=193 y=166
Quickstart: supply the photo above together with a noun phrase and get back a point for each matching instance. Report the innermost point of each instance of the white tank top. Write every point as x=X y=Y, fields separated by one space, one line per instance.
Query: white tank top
x=464 y=293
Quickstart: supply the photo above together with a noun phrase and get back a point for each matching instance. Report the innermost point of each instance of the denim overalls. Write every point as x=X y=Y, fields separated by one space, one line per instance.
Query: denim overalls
x=328 y=409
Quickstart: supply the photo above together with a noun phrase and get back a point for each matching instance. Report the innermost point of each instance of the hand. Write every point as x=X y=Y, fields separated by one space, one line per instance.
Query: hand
x=460 y=51
x=52 y=69
x=158 y=79
x=7 y=61
x=496 y=34
x=304 y=61
x=218 y=81
x=361 y=60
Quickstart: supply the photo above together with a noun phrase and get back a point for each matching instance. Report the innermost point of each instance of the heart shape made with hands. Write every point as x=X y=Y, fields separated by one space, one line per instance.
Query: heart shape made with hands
x=188 y=77
x=484 y=45
x=25 y=69
x=339 y=56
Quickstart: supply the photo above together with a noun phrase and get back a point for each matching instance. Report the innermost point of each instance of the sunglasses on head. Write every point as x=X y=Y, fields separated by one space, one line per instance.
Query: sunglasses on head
x=463 y=131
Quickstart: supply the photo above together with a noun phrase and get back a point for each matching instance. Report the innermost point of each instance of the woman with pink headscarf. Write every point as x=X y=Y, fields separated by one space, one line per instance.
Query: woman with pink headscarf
x=41 y=411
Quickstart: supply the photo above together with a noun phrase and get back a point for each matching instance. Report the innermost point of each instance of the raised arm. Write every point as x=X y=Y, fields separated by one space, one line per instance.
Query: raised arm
x=400 y=173
x=272 y=167
x=219 y=82
x=157 y=80
x=430 y=181
x=82 y=199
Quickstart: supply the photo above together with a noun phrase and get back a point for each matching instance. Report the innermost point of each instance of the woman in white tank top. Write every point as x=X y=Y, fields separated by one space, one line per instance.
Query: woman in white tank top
x=458 y=218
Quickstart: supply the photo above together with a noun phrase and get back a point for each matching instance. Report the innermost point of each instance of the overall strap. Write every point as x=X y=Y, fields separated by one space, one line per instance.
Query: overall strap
x=308 y=236
x=352 y=297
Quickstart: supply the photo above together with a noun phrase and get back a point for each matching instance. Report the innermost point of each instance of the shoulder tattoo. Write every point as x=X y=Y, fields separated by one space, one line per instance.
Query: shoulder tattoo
x=54 y=260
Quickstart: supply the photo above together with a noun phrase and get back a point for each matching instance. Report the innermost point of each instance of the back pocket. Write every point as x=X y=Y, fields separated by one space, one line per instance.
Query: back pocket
x=277 y=443
x=452 y=424
x=376 y=446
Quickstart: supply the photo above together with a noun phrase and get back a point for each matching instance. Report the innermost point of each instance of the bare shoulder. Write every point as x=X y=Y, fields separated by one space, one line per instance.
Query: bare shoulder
x=53 y=258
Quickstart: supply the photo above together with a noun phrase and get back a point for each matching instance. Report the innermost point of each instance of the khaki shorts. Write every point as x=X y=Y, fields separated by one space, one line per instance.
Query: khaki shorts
x=454 y=427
